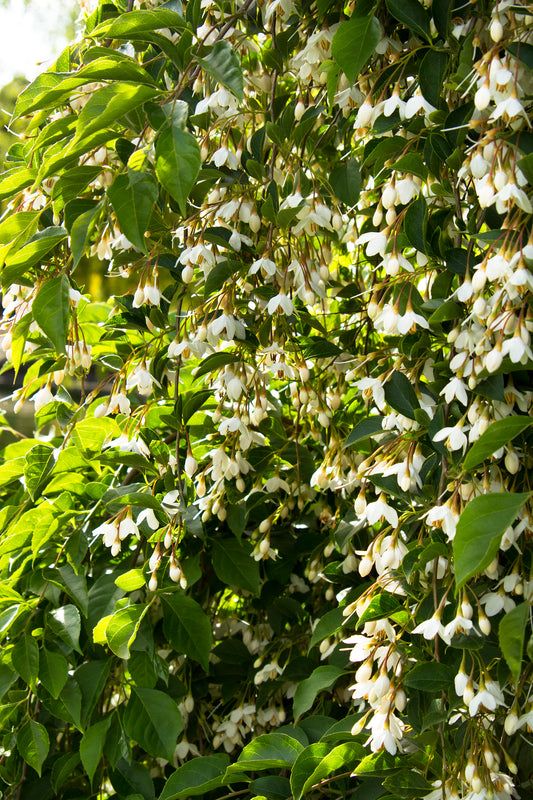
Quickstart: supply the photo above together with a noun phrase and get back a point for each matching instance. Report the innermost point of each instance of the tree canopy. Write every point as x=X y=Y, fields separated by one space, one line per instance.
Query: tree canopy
x=270 y=535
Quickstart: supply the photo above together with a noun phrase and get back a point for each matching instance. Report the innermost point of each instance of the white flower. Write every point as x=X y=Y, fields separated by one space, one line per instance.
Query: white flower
x=147 y=515
x=379 y=510
x=280 y=304
x=489 y=696
x=453 y=437
x=431 y=627
x=455 y=389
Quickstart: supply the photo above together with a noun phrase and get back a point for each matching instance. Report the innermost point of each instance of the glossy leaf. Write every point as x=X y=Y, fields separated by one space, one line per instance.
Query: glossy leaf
x=353 y=43
x=222 y=63
x=177 y=163
x=133 y=195
x=51 y=310
x=196 y=777
x=39 y=462
x=234 y=565
x=108 y=104
x=53 y=671
x=25 y=659
x=480 y=529
x=497 y=435
x=122 y=627
x=268 y=751
x=318 y=761
x=412 y=14
x=320 y=679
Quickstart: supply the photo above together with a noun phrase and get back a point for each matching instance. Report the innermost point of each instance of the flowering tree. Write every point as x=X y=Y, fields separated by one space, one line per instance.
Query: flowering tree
x=272 y=534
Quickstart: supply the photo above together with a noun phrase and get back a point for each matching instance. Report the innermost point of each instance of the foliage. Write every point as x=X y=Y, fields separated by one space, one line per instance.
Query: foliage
x=272 y=534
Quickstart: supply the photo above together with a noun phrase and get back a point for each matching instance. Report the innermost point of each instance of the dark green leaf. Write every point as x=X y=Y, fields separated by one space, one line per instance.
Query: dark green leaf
x=65 y=622
x=25 y=659
x=153 y=720
x=81 y=230
x=92 y=746
x=234 y=565
x=53 y=671
x=432 y=72
x=364 y=428
x=346 y=182
x=511 y=635
x=430 y=677
x=415 y=220
x=330 y=623
x=269 y=751
x=33 y=744
x=354 y=42
x=400 y=394
x=412 y=14
x=321 y=678
x=223 y=64
x=133 y=197
x=480 y=530
x=198 y=776
x=318 y=761
x=498 y=434
x=187 y=628
x=408 y=784
x=177 y=163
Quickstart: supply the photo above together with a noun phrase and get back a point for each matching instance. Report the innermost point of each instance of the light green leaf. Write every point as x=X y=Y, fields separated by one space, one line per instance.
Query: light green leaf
x=38 y=464
x=234 y=565
x=81 y=230
x=122 y=628
x=354 y=42
x=187 y=628
x=177 y=163
x=480 y=530
x=269 y=751
x=90 y=434
x=20 y=259
x=108 y=104
x=135 y=22
x=131 y=580
x=15 y=180
x=33 y=744
x=197 y=776
x=92 y=746
x=511 y=635
x=25 y=659
x=223 y=64
x=51 y=310
x=153 y=720
x=53 y=671
x=318 y=761
x=498 y=434
x=321 y=678
x=133 y=195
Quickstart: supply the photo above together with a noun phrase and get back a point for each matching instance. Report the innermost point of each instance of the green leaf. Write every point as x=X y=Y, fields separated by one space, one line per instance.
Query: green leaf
x=412 y=14
x=346 y=182
x=223 y=64
x=81 y=230
x=68 y=705
x=90 y=434
x=122 y=627
x=92 y=746
x=34 y=251
x=51 y=310
x=177 y=163
x=365 y=428
x=76 y=587
x=381 y=606
x=498 y=434
x=400 y=394
x=415 y=220
x=33 y=744
x=65 y=622
x=135 y=22
x=108 y=104
x=432 y=72
x=408 y=784
x=354 y=42
x=330 y=623
x=480 y=529
x=133 y=197
x=215 y=361
x=187 y=628
x=72 y=183
x=7 y=679
x=39 y=462
x=319 y=761
x=53 y=671
x=25 y=659
x=321 y=678
x=526 y=165
x=430 y=677
x=511 y=636
x=197 y=776
x=234 y=565
x=63 y=769
x=269 y=751
x=131 y=580
x=153 y=720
